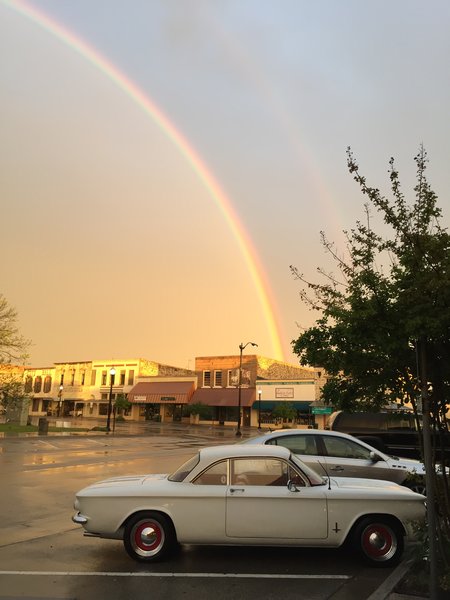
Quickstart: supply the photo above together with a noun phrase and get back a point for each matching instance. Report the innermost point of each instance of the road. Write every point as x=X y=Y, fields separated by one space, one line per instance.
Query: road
x=44 y=555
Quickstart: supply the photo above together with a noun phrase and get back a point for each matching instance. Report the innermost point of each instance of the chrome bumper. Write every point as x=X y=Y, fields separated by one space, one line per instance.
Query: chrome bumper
x=79 y=519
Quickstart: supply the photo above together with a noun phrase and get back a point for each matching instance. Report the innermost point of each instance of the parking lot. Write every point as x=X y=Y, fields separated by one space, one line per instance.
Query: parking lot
x=44 y=555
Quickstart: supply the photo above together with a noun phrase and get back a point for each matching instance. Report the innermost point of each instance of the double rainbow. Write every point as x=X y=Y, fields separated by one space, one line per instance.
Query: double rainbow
x=207 y=178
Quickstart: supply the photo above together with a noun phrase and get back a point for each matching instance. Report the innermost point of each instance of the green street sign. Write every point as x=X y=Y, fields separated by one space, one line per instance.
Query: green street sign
x=321 y=410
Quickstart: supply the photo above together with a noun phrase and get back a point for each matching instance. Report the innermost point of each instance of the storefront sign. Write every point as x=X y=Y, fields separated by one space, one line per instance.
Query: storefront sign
x=140 y=399
x=284 y=392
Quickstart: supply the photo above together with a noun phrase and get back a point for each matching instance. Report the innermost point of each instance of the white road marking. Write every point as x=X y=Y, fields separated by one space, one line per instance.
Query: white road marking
x=199 y=575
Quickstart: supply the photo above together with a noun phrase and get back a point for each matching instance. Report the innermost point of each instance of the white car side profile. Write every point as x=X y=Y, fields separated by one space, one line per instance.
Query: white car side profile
x=223 y=494
x=340 y=454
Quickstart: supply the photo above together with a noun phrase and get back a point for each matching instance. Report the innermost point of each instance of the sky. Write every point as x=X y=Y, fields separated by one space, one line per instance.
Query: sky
x=164 y=162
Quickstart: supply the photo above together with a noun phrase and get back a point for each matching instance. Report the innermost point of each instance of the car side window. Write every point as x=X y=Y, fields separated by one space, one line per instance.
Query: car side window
x=214 y=475
x=298 y=444
x=262 y=471
x=342 y=448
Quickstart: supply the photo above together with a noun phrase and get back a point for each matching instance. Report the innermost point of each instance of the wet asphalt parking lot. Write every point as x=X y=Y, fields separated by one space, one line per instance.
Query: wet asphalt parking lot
x=44 y=555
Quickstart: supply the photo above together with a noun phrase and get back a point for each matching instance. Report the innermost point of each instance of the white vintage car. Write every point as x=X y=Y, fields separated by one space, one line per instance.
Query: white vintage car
x=249 y=495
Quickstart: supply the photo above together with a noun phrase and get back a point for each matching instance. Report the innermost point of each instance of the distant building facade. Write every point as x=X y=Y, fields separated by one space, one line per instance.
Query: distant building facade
x=84 y=388
x=153 y=391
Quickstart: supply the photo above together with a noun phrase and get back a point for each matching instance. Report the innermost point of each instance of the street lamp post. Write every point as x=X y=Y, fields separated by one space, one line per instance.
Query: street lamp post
x=241 y=348
x=112 y=373
x=259 y=409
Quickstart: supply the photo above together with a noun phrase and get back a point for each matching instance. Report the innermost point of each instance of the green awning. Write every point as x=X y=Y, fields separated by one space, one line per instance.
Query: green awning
x=302 y=405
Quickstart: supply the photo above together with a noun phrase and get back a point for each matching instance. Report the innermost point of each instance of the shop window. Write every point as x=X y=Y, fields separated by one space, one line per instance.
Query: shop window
x=47 y=384
x=233 y=378
x=103 y=409
x=28 y=384
x=35 y=407
x=37 y=384
x=206 y=378
x=217 y=378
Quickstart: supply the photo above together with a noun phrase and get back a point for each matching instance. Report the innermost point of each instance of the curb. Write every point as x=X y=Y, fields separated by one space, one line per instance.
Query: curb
x=385 y=591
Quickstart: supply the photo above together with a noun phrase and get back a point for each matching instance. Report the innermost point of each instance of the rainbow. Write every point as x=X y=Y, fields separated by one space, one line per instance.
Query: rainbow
x=181 y=143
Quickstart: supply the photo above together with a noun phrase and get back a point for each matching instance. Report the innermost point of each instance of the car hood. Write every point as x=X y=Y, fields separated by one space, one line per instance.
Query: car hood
x=375 y=485
x=127 y=480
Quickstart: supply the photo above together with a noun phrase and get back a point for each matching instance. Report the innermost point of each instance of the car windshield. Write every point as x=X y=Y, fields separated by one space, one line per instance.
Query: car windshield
x=314 y=478
x=182 y=472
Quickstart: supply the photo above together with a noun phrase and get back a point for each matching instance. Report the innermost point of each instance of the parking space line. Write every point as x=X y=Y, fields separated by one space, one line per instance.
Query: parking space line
x=181 y=575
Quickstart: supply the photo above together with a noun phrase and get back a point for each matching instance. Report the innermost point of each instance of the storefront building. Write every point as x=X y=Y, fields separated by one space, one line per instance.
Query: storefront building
x=161 y=399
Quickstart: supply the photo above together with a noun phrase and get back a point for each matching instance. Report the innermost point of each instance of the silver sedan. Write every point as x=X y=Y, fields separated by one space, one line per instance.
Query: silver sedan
x=342 y=455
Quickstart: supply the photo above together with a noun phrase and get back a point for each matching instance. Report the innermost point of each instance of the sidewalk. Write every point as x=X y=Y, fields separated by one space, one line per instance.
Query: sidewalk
x=137 y=428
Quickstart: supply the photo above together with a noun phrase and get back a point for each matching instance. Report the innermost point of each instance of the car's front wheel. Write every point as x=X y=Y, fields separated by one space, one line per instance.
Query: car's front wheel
x=149 y=537
x=379 y=541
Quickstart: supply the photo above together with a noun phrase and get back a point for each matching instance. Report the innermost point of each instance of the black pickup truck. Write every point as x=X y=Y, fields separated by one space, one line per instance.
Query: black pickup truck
x=391 y=432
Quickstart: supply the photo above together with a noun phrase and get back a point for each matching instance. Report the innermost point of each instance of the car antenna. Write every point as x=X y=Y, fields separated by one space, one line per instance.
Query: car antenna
x=326 y=473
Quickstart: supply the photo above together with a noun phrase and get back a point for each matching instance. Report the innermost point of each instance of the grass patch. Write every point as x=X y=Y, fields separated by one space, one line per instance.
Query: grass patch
x=16 y=428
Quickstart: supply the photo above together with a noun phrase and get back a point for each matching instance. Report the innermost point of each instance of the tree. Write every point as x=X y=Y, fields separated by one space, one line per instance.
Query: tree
x=383 y=332
x=11 y=387
x=13 y=346
x=284 y=411
x=121 y=405
x=198 y=408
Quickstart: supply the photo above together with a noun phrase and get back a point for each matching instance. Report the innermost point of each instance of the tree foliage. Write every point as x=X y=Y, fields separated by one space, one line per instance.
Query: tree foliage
x=13 y=346
x=198 y=408
x=391 y=291
x=285 y=411
x=384 y=318
x=11 y=387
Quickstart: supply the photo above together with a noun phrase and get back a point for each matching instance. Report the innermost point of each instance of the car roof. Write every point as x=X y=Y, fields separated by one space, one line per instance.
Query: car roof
x=284 y=432
x=262 y=439
x=243 y=450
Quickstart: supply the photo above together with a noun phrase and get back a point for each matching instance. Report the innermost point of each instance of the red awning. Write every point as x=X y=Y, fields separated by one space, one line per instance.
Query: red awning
x=224 y=396
x=161 y=392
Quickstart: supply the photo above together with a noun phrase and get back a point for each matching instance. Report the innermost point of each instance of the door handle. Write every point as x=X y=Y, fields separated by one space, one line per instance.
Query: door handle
x=232 y=490
x=338 y=468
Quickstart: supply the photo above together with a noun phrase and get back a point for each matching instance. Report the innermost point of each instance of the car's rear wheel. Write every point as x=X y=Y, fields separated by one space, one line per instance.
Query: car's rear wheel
x=379 y=541
x=149 y=537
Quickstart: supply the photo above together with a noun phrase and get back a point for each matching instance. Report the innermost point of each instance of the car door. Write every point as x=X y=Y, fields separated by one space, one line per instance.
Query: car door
x=259 y=504
x=348 y=458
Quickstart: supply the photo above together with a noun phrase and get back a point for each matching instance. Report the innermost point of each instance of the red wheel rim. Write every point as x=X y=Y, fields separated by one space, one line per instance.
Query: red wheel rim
x=378 y=542
x=147 y=537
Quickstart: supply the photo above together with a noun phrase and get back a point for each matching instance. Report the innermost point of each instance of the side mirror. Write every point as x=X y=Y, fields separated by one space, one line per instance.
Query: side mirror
x=292 y=486
x=374 y=457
